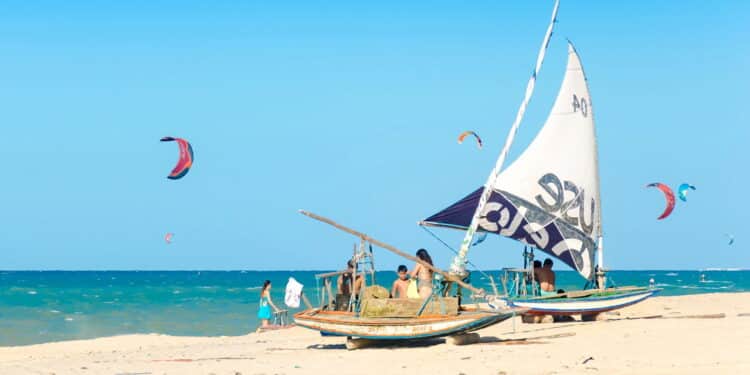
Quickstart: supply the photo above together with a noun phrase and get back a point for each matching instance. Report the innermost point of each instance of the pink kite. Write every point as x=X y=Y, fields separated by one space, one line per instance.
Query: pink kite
x=186 y=158
x=668 y=195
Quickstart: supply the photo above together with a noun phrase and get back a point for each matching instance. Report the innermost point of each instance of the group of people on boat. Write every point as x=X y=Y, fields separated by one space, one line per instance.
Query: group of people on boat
x=414 y=284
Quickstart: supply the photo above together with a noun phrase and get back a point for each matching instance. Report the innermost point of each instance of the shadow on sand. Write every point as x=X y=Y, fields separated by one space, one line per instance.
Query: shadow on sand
x=425 y=343
x=386 y=344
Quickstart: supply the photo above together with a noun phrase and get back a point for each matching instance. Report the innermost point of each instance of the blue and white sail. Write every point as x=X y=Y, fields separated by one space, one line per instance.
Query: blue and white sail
x=548 y=197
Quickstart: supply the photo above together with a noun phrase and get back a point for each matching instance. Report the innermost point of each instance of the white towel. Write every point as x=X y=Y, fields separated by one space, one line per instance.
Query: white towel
x=293 y=292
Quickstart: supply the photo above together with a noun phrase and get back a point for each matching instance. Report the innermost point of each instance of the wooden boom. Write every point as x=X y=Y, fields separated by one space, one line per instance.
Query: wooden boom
x=388 y=247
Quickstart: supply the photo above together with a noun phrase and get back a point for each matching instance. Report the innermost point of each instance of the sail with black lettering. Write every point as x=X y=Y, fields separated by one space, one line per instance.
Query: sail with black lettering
x=549 y=196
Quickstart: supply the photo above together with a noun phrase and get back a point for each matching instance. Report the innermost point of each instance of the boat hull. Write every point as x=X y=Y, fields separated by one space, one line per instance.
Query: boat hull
x=333 y=323
x=584 y=305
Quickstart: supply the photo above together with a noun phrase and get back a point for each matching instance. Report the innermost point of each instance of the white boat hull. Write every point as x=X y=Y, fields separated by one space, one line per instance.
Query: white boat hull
x=583 y=305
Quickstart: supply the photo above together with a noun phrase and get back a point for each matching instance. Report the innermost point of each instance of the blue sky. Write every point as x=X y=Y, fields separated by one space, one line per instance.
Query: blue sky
x=351 y=111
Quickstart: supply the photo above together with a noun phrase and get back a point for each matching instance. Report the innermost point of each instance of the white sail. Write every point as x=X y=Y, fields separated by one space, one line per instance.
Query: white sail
x=549 y=196
x=558 y=173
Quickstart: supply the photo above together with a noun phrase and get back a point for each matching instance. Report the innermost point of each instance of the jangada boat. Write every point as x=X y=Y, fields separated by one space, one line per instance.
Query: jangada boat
x=547 y=199
x=335 y=323
x=371 y=317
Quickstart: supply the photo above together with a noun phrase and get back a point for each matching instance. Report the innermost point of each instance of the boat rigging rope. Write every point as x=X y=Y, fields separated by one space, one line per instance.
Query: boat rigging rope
x=454 y=251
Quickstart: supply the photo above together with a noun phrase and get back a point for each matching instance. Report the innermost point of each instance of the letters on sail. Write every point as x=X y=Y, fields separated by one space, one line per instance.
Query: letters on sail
x=549 y=197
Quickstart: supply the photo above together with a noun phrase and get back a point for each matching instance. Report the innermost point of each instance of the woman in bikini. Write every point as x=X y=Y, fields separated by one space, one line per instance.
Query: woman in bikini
x=422 y=274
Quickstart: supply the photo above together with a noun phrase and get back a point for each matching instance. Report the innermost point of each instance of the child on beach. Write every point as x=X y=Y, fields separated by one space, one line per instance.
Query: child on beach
x=423 y=275
x=264 y=308
x=400 y=286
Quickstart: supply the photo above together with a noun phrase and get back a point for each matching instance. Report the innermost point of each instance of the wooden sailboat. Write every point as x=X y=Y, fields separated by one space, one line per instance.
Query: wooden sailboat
x=333 y=323
x=399 y=319
x=548 y=199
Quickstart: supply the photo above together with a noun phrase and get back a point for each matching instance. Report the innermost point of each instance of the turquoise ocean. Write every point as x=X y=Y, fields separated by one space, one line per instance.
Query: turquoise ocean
x=46 y=306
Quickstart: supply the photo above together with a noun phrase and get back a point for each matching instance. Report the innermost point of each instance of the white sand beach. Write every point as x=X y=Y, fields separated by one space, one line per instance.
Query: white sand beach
x=663 y=335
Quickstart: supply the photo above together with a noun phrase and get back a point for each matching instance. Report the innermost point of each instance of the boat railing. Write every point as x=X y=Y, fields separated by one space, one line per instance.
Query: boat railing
x=326 y=296
x=330 y=274
x=363 y=266
x=519 y=282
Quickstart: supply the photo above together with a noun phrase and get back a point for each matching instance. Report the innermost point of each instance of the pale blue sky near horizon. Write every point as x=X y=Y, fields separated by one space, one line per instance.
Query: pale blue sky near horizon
x=352 y=111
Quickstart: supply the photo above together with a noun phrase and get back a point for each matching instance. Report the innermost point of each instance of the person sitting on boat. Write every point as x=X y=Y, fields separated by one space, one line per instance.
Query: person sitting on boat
x=401 y=285
x=264 y=307
x=423 y=274
x=546 y=278
x=535 y=274
x=344 y=282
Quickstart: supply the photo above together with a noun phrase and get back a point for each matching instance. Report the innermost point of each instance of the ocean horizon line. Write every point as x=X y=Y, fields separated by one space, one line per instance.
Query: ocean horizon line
x=330 y=270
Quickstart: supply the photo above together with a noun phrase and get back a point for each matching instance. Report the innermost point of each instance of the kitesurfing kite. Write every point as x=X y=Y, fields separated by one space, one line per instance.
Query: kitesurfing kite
x=668 y=195
x=682 y=191
x=731 y=239
x=476 y=136
x=168 y=238
x=480 y=239
x=186 y=158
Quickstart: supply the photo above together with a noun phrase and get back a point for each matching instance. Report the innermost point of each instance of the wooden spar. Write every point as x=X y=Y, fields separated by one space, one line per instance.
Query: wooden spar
x=306 y=301
x=331 y=274
x=331 y=296
x=372 y=259
x=494 y=286
x=388 y=247
x=353 y=279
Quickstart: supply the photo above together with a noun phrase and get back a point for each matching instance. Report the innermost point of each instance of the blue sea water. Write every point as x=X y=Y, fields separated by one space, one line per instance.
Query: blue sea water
x=45 y=306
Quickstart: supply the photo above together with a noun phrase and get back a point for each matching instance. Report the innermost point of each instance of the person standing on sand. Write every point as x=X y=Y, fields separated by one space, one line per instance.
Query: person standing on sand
x=401 y=285
x=264 y=308
x=423 y=275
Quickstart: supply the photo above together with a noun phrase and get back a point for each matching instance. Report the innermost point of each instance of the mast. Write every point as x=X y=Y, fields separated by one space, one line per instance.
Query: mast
x=458 y=267
x=600 y=275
